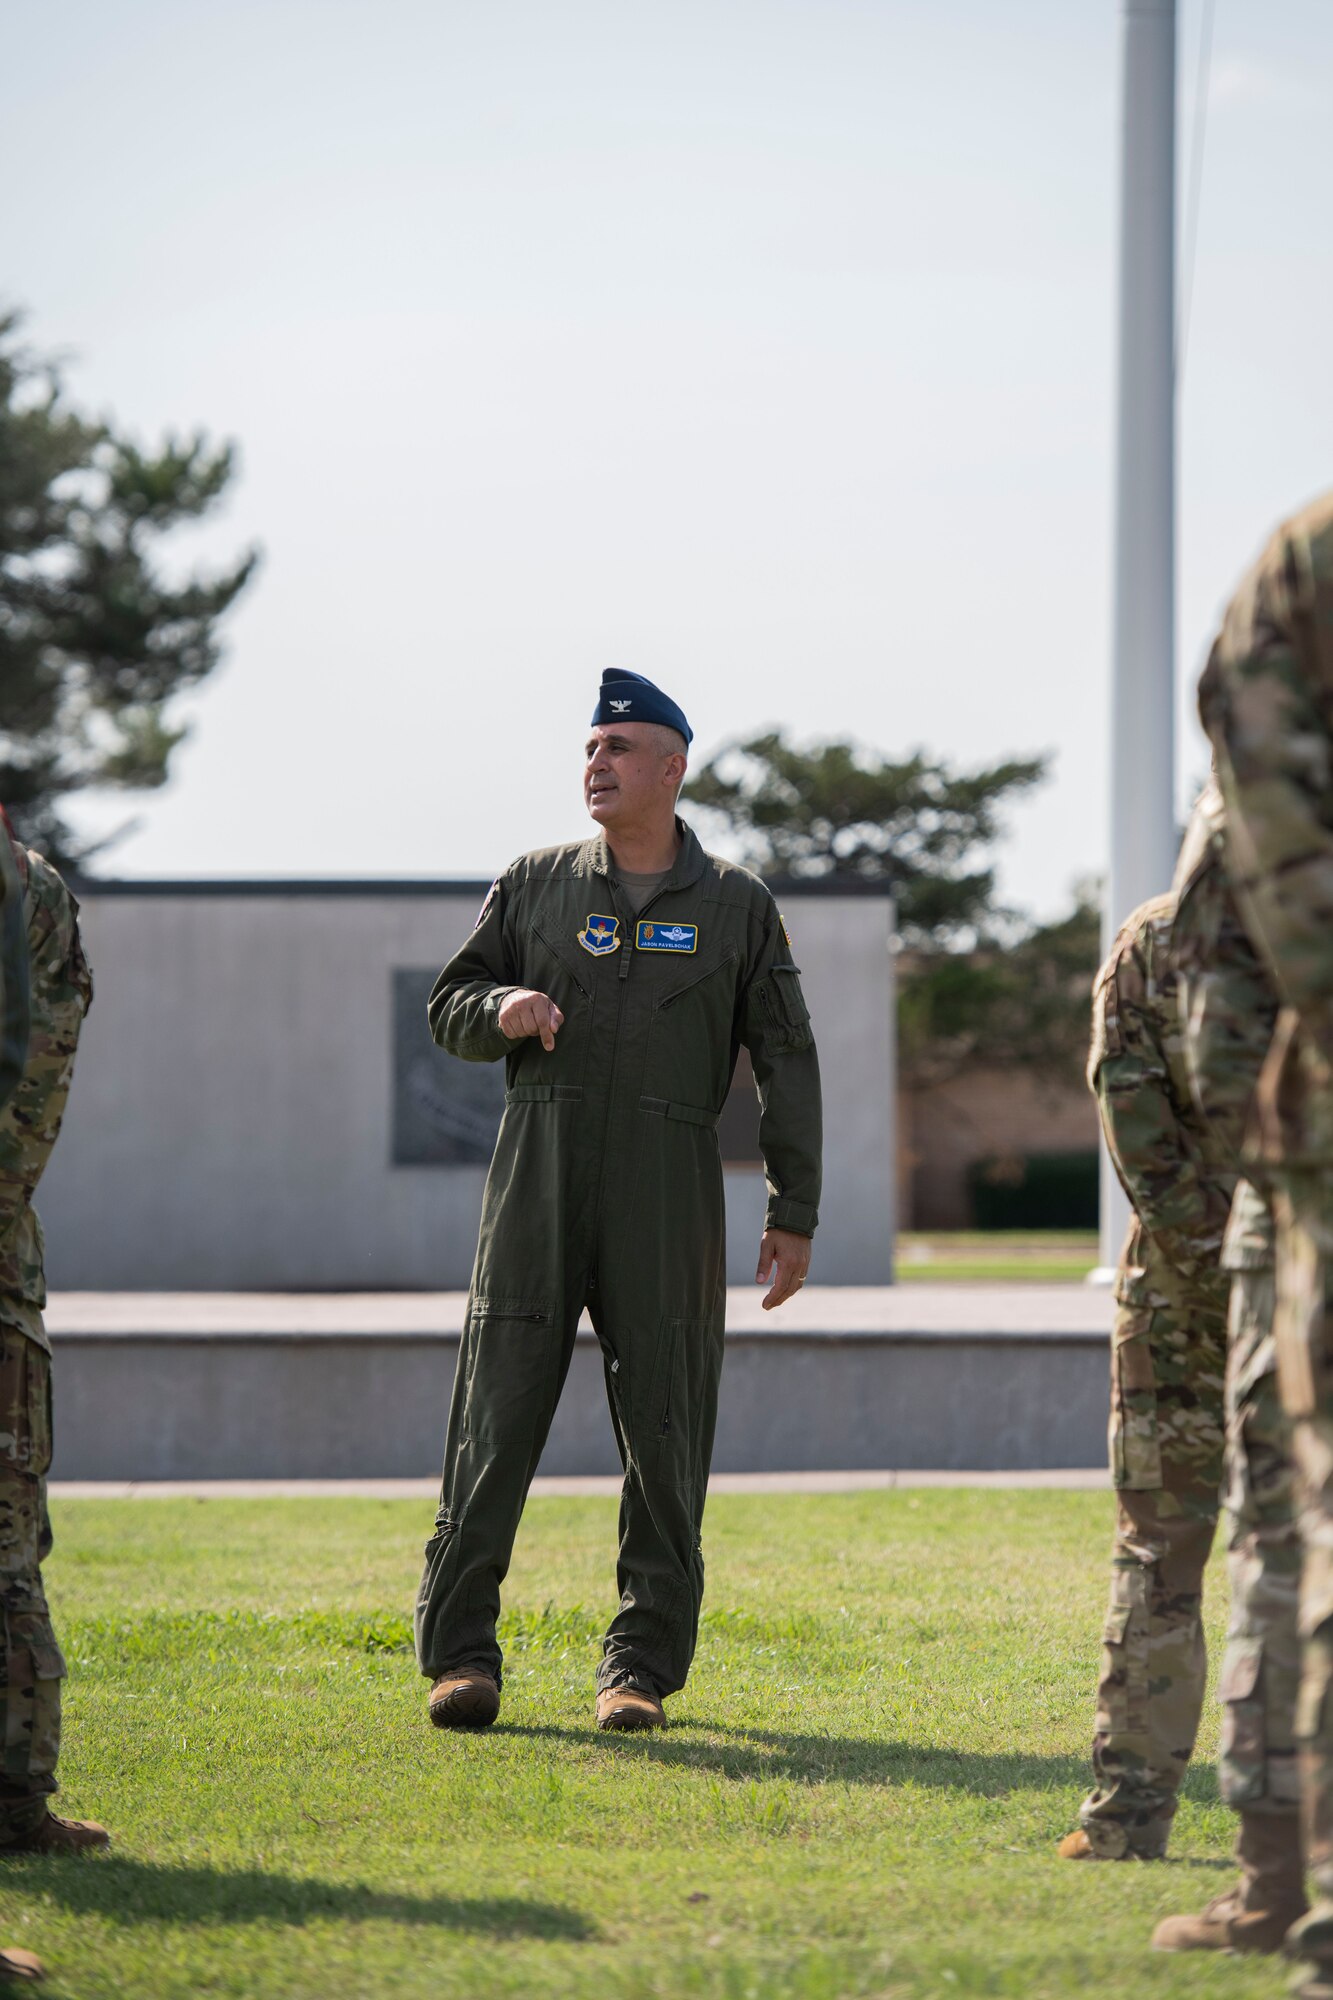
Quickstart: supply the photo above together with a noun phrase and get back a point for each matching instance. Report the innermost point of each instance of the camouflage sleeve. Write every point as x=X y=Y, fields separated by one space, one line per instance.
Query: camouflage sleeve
x=1263 y=701
x=13 y=973
x=62 y=991
x=1226 y=1000
x=464 y=1006
x=1181 y=1207
x=775 y=1028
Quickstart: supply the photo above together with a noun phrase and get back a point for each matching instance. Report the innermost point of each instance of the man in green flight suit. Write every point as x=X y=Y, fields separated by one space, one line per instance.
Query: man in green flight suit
x=617 y=978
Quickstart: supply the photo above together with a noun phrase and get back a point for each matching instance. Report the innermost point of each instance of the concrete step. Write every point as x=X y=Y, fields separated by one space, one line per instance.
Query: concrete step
x=191 y=1386
x=601 y=1487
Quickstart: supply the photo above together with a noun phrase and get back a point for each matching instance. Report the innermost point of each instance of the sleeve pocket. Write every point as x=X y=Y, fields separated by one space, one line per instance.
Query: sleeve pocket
x=786 y=1018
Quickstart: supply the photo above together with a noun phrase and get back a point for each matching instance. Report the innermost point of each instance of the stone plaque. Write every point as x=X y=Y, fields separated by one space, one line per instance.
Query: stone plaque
x=446 y=1113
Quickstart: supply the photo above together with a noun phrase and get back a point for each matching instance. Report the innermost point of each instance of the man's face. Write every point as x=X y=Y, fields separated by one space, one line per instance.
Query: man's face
x=626 y=776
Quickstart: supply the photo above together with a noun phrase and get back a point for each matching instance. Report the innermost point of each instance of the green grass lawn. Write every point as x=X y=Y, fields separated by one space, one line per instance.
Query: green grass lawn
x=995 y=1256
x=884 y=1737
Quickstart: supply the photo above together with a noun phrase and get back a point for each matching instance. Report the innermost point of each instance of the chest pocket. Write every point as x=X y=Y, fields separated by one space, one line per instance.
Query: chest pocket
x=548 y=968
x=688 y=1058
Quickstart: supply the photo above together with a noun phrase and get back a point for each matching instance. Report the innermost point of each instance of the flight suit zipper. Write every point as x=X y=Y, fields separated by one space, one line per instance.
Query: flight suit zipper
x=698 y=980
x=622 y=974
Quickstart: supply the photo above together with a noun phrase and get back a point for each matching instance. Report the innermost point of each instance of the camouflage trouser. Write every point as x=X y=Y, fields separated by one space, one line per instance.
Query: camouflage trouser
x=1168 y=1363
x=1261 y=1671
x=30 y=1690
x=1303 y=1328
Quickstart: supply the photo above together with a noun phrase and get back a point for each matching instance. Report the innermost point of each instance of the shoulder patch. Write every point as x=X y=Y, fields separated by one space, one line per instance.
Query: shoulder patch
x=785 y=932
x=491 y=895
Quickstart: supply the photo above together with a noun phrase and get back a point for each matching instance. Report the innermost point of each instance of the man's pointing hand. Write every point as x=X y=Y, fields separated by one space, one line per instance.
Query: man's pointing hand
x=526 y=1013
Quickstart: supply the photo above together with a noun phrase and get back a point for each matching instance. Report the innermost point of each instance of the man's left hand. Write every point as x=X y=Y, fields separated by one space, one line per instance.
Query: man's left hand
x=785 y=1257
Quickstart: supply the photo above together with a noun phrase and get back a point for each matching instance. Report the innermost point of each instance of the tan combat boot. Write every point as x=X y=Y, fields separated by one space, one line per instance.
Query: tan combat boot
x=19 y=1965
x=1110 y=1844
x=628 y=1708
x=1257 y=1913
x=464 y=1701
x=54 y=1835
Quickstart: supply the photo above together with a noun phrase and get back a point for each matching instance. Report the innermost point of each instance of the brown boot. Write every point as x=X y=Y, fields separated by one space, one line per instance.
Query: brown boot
x=1258 y=1912
x=627 y=1708
x=1079 y=1846
x=17 y=1965
x=54 y=1835
x=464 y=1701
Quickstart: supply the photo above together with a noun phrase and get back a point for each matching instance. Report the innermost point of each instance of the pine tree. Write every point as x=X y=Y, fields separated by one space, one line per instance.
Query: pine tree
x=95 y=644
x=834 y=809
x=980 y=986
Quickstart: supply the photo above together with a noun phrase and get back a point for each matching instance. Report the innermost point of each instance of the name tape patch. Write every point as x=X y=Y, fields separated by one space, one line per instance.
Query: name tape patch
x=667 y=937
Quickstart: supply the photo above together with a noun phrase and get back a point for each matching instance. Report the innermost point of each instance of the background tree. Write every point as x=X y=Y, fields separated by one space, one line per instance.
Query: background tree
x=980 y=985
x=1023 y=1004
x=95 y=643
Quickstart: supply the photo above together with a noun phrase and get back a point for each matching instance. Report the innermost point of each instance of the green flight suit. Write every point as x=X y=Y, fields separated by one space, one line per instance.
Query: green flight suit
x=605 y=1191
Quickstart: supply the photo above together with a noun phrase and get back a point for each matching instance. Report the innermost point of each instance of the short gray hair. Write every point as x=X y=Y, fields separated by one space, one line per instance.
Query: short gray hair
x=669 y=742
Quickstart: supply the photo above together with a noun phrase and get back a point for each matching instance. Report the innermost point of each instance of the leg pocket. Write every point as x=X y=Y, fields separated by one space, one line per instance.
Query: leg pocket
x=1135 y=1450
x=1242 y=1760
x=681 y=1383
x=25 y=1404
x=1122 y=1693
x=513 y=1364
x=30 y=1712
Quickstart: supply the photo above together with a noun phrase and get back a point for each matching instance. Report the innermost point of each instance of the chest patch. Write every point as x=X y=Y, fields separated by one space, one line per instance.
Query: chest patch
x=667 y=937
x=600 y=935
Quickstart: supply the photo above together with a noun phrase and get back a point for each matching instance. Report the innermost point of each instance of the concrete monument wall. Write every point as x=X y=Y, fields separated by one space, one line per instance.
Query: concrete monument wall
x=258 y=1105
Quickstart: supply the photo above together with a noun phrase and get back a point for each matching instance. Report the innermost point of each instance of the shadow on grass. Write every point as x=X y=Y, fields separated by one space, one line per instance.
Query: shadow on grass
x=850 y=1760
x=142 y=1892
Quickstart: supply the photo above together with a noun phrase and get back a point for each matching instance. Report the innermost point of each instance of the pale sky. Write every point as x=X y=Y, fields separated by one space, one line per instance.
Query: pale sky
x=761 y=346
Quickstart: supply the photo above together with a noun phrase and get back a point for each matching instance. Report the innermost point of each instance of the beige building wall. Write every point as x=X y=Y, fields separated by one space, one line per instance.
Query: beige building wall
x=232 y=1121
x=943 y=1131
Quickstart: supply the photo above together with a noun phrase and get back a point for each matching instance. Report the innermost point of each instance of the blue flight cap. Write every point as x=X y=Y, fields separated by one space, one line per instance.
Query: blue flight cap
x=627 y=697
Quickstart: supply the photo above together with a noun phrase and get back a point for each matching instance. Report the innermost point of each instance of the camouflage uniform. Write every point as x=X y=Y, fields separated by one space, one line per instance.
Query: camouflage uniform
x=1168 y=1358
x=61 y=991
x=13 y=975
x=1261 y=1671
x=1228 y=1009
x=1266 y=700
